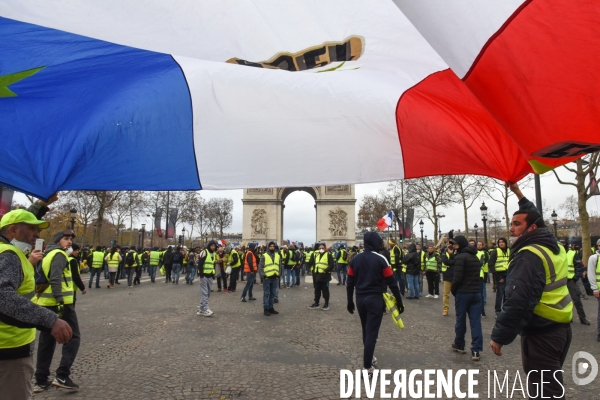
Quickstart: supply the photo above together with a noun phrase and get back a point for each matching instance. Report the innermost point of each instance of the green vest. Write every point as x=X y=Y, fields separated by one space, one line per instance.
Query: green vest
x=431 y=263
x=341 y=257
x=238 y=262
x=444 y=266
x=271 y=266
x=307 y=255
x=11 y=336
x=571 y=264
x=97 y=259
x=209 y=264
x=555 y=304
x=46 y=298
x=290 y=260
x=154 y=258
x=484 y=267
x=320 y=264
x=113 y=259
x=598 y=271
x=502 y=260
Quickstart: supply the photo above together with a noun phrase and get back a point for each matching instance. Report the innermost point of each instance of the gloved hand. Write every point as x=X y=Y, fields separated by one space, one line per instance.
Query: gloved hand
x=350 y=308
x=400 y=305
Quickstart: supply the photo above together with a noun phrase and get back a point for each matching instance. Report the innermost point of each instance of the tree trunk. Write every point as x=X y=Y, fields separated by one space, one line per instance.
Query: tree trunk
x=584 y=216
x=466 y=217
x=100 y=218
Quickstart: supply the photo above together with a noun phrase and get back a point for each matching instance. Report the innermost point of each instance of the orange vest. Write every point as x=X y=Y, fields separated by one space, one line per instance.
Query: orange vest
x=247 y=265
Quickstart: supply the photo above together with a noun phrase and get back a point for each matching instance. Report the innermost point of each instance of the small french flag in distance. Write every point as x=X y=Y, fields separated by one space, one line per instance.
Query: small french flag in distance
x=385 y=221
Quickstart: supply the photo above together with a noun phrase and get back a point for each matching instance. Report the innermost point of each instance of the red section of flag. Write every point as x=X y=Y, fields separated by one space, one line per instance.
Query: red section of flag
x=451 y=133
x=382 y=225
x=538 y=76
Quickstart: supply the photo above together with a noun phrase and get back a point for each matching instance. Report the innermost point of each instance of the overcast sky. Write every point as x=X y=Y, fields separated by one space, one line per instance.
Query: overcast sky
x=299 y=213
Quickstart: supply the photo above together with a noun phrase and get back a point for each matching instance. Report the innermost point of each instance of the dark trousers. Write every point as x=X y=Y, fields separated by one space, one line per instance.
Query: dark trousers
x=370 y=311
x=120 y=273
x=138 y=275
x=500 y=295
x=130 y=274
x=111 y=279
x=297 y=272
x=574 y=292
x=249 y=284
x=400 y=280
x=546 y=351
x=433 y=282
x=47 y=345
x=168 y=270
x=322 y=287
x=233 y=277
x=223 y=278
x=468 y=304
x=96 y=272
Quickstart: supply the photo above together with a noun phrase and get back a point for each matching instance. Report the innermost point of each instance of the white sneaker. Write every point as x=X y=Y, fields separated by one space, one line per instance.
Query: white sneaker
x=436 y=297
x=208 y=313
x=429 y=296
x=201 y=312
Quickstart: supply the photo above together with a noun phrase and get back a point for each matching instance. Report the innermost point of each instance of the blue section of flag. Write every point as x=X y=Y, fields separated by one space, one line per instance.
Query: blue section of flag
x=98 y=116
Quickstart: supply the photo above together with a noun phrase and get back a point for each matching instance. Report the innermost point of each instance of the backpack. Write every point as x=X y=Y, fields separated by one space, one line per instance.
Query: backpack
x=129 y=260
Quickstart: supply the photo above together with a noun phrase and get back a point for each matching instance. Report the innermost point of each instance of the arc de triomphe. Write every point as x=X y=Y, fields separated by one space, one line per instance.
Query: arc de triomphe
x=263 y=213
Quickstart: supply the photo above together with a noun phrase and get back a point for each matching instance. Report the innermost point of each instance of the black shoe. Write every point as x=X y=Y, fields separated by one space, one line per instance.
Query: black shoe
x=97 y=287
x=267 y=313
x=410 y=298
x=457 y=349
x=272 y=311
x=475 y=356
x=275 y=301
x=65 y=383
x=117 y=283
x=90 y=285
x=314 y=306
x=339 y=283
x=325 y=307
x=243 y=300
x=251 y=298
x=40 y=387
x=584 y=321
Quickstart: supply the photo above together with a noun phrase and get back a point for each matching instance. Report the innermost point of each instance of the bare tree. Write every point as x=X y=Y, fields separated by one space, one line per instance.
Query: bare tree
x=500 y=193
x=105 y=201
x=582 y=169
x=570 y=208
x=133 y=201
x=193 y=212
x=371 y=209
x=219 y=212
x=84 y=202
x=118 y=213
x=469 y=189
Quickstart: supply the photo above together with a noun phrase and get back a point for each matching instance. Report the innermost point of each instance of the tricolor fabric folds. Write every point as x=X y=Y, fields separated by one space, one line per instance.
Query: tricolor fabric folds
x=187 y=95
x=385 y=221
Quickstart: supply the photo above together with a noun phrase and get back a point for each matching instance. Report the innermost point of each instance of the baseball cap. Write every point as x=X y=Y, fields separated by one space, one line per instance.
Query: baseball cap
x=61 y=234
x=22 y=217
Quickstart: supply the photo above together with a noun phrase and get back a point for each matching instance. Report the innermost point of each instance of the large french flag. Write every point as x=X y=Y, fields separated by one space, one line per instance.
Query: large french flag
x=386 y=221
x=192 y=94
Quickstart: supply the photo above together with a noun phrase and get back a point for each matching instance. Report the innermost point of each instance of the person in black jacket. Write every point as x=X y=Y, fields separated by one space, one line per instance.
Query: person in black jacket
x=466 y=289
x=322 y=263
x=448 y=256
x=370 y=273
x=413 y=270
x=544 y=342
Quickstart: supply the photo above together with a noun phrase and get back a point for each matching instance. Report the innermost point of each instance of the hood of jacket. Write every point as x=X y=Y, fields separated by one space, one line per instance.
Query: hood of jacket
x=469 y=250
x=540 y=236
x=52 y=246
x=412 y=248
x=372 y=241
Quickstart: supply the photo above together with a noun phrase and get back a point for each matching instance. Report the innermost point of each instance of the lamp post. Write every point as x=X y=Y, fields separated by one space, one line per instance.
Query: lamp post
x=182 y=241
x=495 y=222
x=554 y=217
x=139 y=232
x=143 y=234
x=476 y=237
x=484 y=211
x=152 y=237
x=440 y=216
x=73 y=215
x=421 y=225
x=426 y=241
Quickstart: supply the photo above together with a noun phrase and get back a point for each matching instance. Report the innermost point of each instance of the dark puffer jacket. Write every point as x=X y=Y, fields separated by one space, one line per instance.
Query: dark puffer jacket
x=466 y=268
x=412 y=261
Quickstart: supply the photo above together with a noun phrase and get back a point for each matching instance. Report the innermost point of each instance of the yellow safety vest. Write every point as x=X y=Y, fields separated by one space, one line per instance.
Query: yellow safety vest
x=555 y=304
x=10 y=336
x=598 y=271
x=307 y=255
x=320 y=265
x=238 y=263
x=502 y=260
x=98 y=259
x=341 y=257
x=444 y=266
x=571 y=264
x=393 y=256
x=209 y=264
x=154 y=258
x=271 y=266
x=484 y=267
x=431 y=263
x=290 y=260
x=390 y=303
x=46 y=298
x=113 y=260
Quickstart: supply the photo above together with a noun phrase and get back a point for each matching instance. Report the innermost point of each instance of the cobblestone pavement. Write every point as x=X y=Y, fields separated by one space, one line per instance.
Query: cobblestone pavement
x=147 y=342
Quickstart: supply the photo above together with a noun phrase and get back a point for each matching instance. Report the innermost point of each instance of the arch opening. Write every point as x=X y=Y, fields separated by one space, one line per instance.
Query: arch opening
x=299 y=215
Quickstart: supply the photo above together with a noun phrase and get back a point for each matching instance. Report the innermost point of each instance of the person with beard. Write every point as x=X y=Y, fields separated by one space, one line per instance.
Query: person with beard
x=206 y=272
x=537 y=304
x=413 y=269
x=370 y=273
x=269 y=269
x=250 y=268
x=322 y=265
x=466 y=289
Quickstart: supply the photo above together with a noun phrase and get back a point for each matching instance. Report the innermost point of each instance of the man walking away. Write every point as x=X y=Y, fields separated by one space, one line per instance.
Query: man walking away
x=234 y=263
x=250 y=268
x=269 y=268
x=432 y=267
x=322 y=265
x=413 y=270
x=206 y=272
x=96 y=269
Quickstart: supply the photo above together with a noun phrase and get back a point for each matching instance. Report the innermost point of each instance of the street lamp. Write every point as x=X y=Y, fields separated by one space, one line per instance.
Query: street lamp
x=484 y=211
x=73 y=215
x=143 y=234
x=554 y=217
x=440 y=216
x=476 y=237
x=421 y=225
x=182 y=235
x=152 y=237
x=495 y=222
x=426 y=241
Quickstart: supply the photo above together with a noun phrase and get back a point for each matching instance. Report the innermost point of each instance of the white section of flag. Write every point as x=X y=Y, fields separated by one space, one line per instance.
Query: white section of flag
x=385 y=221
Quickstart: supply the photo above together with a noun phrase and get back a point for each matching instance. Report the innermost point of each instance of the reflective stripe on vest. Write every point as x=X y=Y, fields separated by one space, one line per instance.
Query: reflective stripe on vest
x=46 y=298
x=97 y=259
x=341 y=257
x=272 y=266
x=154 y=258
x=209 y=264
x=502 y=260
x=307 y=255
x=555 y=304
x=11 y=336
x=320 y=265
x=113 y=260
x=238 y=262
x=571 y=264
x=290 y=260
x=431 y=263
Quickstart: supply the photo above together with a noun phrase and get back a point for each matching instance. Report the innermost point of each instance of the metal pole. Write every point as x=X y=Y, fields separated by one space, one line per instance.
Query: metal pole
x=402 y=211
x=485 y=238
x=538 y=194
x=167 y=230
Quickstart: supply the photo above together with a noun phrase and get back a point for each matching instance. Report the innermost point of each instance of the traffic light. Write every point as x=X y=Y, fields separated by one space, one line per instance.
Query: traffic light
x=180 y=239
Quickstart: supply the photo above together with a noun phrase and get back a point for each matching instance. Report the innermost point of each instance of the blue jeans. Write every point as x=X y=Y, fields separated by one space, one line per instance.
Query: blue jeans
x=483 y=292
x=290 y=276
x=413 y=285
x=97 y=272
x=105 y=269
x=500 y=295
x=471 y=304
x=152 y=272
x=249 y=285
x=176 y=271
x=190 y=274
x=269 y=287
x=297 y=271
x=342 y=270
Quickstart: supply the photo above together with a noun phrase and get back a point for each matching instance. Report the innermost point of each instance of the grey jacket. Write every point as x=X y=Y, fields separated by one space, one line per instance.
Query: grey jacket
x=261 y=264
x=57 y=268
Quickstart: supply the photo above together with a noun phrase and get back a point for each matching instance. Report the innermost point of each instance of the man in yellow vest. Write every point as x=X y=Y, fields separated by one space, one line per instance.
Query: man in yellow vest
x=432 y=265
x=574 y=268
x=154 y=262
x=498 y=264
x=537 y=304
x=322 y=264
x=96 y=267
x=269 y=268
x=341 y=257
x=593 y=273
x=18 y=315
x=206 y=272
x=58 y=296
x=235 y=263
